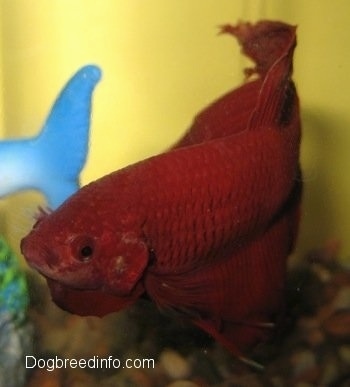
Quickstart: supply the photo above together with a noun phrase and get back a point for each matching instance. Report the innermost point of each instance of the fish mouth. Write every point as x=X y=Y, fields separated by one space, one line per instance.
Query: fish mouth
x=38 y=257
x=35 y=253
x=50 y=266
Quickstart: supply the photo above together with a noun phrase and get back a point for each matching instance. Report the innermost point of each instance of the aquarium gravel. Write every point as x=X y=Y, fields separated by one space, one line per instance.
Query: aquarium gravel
x=311 y=348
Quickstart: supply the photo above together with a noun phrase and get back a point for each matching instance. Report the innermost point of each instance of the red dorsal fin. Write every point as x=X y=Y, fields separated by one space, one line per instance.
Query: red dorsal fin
x=274 y=97
x=264 y=42
x=270 y=44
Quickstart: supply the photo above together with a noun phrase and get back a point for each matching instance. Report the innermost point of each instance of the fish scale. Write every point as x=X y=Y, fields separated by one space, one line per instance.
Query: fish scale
x=225 y=213
x=255 y=303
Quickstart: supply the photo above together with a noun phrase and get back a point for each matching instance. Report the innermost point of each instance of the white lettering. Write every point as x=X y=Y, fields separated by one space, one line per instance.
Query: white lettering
x=28 y=358
x=118 y=363
x=91 y=363
x=51 y=364
x=41 y=363
x=59 y=362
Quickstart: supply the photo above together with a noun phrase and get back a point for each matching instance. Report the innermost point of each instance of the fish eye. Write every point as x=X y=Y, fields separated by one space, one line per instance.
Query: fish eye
x=86 y=251
x=83 y=248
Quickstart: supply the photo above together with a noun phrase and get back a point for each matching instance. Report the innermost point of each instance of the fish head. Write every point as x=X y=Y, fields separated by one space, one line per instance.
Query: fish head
x=81 y=249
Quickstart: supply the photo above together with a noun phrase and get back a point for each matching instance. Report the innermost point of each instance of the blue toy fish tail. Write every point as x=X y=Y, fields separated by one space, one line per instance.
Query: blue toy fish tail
x=62 y=145
x=52 y=161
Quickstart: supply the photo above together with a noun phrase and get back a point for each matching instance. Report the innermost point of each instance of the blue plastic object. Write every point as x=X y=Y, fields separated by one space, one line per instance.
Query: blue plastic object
x=52 y=161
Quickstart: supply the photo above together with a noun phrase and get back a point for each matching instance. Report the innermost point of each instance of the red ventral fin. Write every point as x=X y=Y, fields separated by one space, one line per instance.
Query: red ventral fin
x=232 y=334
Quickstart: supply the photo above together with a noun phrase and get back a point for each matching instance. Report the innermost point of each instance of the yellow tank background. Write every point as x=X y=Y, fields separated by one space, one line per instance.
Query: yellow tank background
x=162 y=62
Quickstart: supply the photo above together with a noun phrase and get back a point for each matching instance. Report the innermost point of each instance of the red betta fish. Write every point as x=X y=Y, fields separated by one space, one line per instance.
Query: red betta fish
x=205 y=228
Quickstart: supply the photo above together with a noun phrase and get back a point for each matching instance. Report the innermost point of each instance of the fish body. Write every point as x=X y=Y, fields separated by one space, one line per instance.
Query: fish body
x=51 y=161
x=204 y=228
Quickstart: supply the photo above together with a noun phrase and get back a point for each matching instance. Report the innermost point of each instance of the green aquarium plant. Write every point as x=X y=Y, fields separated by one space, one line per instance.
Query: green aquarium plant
x=16 y=333
x=13 y=287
